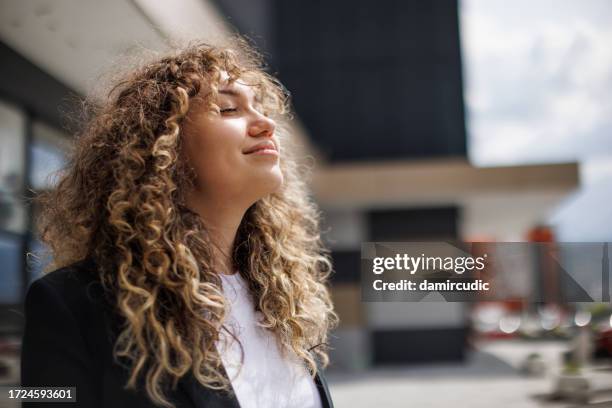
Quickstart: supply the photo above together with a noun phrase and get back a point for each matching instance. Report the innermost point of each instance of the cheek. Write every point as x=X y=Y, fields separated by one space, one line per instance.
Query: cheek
x=216 y=151
x=224 y=143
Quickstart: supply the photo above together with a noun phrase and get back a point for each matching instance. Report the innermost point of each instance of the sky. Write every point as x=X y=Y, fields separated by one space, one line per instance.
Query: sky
x=538 y=82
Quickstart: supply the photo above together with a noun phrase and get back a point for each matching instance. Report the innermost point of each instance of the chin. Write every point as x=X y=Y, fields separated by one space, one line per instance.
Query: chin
x=263 y=181
x=272 y=182
x=276 y=182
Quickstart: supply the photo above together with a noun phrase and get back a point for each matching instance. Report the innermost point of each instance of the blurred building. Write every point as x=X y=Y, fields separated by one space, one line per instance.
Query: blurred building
x=378 y=93
x=379 y=89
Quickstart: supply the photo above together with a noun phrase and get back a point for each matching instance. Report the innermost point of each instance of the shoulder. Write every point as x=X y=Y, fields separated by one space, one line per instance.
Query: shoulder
x=76 y=286
x=69 y=305
x=63 y=330
x=78 y=274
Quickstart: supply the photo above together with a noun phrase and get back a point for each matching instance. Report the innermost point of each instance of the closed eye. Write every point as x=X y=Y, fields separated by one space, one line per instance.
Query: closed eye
x=228 y=110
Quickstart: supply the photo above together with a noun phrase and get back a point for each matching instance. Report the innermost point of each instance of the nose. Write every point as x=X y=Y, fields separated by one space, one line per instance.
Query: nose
x=261 y=126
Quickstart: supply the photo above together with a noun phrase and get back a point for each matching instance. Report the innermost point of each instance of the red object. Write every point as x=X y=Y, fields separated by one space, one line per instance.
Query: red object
x=603 y=342
x=541 y=233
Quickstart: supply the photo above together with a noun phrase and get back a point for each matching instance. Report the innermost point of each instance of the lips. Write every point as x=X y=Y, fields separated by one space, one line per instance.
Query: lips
x=261 y=146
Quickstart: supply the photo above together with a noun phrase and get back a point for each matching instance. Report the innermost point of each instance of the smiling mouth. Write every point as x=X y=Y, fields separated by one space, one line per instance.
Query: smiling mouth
x=269 y=151
x=263 y=148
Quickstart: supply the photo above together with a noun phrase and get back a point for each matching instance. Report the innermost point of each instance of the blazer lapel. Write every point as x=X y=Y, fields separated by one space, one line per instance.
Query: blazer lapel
x=321 y=383
x=202 y=397
x=205 y=397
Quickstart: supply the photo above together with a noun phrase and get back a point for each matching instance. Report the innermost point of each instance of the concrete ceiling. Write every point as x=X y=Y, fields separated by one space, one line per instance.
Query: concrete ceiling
x=79 y=41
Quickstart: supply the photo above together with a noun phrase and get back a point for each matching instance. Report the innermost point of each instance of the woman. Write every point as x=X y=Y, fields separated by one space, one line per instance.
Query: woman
x=189 y=270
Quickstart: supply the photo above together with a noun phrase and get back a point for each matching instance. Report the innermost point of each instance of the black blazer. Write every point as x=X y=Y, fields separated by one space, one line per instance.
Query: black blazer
x=68 y=342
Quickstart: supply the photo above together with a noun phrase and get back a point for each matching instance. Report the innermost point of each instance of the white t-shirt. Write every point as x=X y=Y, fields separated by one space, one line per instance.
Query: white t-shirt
x=265 y=380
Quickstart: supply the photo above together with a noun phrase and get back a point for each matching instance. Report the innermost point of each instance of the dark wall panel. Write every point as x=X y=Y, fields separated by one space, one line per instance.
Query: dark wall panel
x=374 y=80
x=396 y=347
x=413 y=224
x=347 y=266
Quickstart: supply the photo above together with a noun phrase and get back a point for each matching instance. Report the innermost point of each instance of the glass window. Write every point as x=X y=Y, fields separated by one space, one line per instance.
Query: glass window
x=48 y=154
x=37 y=259
x=12 y=148
x=10 y=272
x=12 y=141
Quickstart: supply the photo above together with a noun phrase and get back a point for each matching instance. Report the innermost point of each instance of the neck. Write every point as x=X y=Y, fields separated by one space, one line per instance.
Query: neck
x=222 y=221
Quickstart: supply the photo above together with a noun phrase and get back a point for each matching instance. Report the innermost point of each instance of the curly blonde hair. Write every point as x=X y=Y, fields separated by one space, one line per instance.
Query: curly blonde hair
x=121 y=201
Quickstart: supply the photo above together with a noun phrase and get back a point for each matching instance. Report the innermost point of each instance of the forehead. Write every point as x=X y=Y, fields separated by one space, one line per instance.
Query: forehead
x=238 y=87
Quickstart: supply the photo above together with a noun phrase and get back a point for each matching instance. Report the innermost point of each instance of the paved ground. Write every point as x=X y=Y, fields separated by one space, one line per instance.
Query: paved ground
x=490 y=378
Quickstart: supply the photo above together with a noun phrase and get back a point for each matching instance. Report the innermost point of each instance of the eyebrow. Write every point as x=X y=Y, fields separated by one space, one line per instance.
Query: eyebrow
x=229 y=91
x=238 y=94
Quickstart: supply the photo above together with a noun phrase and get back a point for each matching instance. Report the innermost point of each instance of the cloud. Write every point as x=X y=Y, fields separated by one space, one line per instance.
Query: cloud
x=538 y=79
